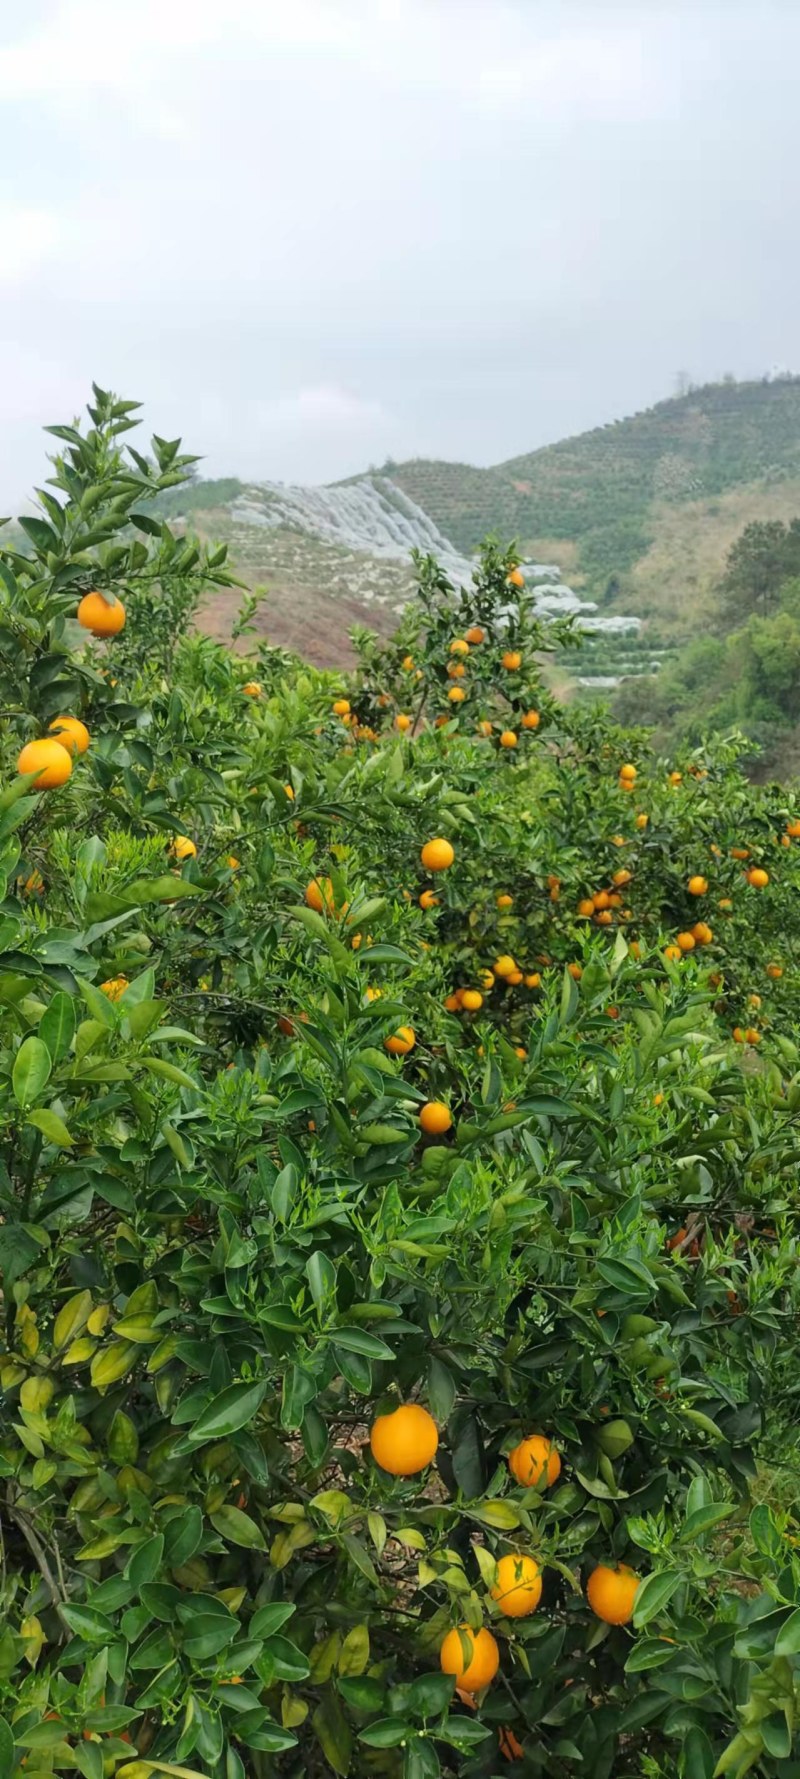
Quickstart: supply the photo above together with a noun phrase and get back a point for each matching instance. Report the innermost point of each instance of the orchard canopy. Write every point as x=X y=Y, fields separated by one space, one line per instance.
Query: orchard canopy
x=398 y=1192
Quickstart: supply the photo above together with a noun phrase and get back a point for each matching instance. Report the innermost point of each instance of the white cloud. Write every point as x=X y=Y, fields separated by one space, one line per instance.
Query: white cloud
x=27 y=237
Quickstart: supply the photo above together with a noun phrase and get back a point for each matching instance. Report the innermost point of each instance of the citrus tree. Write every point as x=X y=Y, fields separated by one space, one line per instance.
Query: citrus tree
x=397 y=1191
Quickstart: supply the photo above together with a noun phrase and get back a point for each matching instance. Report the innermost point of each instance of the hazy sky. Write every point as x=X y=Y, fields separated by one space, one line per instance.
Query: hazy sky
x=310 y=233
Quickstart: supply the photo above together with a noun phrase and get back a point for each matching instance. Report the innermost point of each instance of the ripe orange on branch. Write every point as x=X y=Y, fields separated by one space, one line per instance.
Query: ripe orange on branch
x=406 y=1441
x=518 y=1588
x=103 y=616
x=611 y=1593
x=71 y=732
x=535 y=1457
x=437 y=855
x=50 y=760
x=472 y=1656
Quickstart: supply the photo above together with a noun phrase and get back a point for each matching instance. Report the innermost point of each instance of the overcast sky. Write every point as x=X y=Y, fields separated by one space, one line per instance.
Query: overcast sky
x=311 y=233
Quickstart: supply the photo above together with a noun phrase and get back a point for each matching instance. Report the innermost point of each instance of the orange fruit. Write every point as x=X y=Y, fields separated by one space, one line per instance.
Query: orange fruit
x=402 y=722
x=475 y=635
x=518 y=1588
x=486 y=978
x=676 y=778
x=740 y=852
x=484 y=728
x=658 y=1099
x=473 y=1656
x=535 y=1457
x=456 y=694
x=793 y=830
x=611 y=1593
x=758 y=878
x=104 y=616
x=232 y=862
x=520 y=1051
x=672 y=951
x=114 y=987
x=512 y=661
x=504 y=900
x=437 y=855
x=697 y=886
x=435 y=1118
x=620 y=878
x=71 y=732
x=471 y=1000
x=341 y=708
x=738 y=1035
x=456 y=669
x=452 y=1003
x=514 y=977
x=183 y=848
x=615 y=901
x=516 y=578
x=50 y=760
x=428 y=900
x=601 y=900
x=618 y=840
x=642 y=819
x=586 y=908
x=575 y=971
x=504 y=965
x=289 y=789
x=628 y=773
x=702 y=933
x=685 y=941
x=775 y=971
x=508 y=738
x=531 y=719
x=725 y=902
x=407 y=663
x=605 y=917
x=320 y=897
x=252 y=689
x=401 y=1041
x=405 y=1441
x=752 y=1035
x=533 y=980
x=459 y=646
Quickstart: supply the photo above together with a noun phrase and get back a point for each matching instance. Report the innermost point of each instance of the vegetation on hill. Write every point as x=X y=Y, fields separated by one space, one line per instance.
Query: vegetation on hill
x=398 y=1206
x=605 y=489
x=747 y=676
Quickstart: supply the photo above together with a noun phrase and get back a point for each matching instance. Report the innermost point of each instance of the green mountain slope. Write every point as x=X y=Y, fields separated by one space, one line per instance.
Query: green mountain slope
x=605 y=495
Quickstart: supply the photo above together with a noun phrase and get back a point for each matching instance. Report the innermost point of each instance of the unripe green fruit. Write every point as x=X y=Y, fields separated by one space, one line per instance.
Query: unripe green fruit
x=635 y=1325
x=614 y=1438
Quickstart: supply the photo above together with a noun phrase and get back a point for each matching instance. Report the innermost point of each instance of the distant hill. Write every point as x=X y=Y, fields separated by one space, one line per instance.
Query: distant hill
x=638 y=515
x=603 y=496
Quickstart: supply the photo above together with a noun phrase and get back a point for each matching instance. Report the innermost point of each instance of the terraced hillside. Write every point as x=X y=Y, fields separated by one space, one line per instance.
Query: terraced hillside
x=600 y=502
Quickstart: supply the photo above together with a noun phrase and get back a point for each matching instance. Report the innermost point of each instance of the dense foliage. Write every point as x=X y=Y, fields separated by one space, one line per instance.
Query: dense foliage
x=750 y=675
x=305 y=1117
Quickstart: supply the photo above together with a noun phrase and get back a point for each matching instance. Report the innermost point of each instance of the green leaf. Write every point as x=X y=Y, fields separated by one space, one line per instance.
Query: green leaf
x=787 y=1641
x=333 y=1734
x=92 y=1626
x=31 y=1072
x=356 y=1340
x=99 y=1005
x=388 y=1732
x=168 y=1071
x=704 y=1519
x=18 y=1250
x=57 y=1025
x=51 y=1126
x=500 y=1515
x=238 y=1528
x=233 y=1408
x=6 y=1747
x=653 y=1594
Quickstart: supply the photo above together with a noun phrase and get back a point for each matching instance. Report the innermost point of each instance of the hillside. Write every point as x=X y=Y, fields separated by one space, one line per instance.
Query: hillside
x=606 y=495
x=637 y=515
